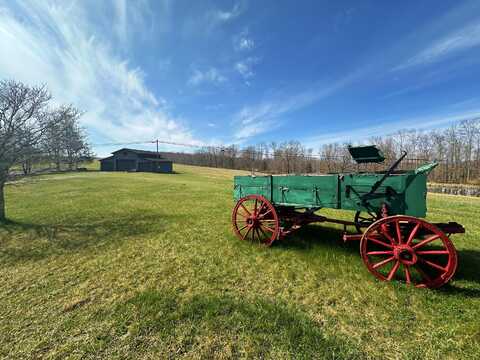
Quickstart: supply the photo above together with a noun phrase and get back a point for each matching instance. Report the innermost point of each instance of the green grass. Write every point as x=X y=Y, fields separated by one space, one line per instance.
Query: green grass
x=132 y=265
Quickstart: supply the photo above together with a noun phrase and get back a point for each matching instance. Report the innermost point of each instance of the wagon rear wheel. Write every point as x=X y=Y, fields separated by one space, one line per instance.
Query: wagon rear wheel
x=408 y=249
x=254 y=218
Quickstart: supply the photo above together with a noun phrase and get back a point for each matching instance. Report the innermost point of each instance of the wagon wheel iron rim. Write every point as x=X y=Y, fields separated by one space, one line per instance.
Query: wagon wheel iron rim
x=363 y=219
x=408 y=249
x=254 y=218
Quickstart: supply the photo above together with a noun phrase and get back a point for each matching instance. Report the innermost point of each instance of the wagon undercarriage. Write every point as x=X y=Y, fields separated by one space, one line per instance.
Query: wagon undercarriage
x=395 y=242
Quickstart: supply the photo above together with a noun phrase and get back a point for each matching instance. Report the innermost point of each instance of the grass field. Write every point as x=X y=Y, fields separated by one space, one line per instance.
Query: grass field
x=132 y=265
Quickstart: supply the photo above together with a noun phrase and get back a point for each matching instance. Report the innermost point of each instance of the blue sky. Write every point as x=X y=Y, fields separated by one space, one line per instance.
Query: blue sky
x=242 y=72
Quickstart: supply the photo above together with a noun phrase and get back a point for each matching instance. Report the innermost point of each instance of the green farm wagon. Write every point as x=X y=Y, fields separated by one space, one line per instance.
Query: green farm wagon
x=395 y=242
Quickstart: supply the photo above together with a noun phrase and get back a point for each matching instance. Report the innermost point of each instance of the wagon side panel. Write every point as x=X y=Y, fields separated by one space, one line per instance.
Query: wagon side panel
x=252 y=185
x=306 y=191
x=354 y=187
x=416 y=195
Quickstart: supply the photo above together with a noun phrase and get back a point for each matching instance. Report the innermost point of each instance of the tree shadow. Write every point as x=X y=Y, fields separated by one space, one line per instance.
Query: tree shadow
x=269 y=327
x=20 y=241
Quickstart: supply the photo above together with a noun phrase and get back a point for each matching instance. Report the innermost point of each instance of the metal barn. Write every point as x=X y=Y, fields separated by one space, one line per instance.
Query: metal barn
x=136 y=160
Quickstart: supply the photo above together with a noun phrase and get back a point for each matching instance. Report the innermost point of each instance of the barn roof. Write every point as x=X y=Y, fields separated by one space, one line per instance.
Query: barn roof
x=107 y=158
x=140 y=152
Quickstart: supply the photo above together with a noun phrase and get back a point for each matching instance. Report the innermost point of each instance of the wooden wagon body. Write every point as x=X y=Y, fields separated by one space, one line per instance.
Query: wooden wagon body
x=403 y=193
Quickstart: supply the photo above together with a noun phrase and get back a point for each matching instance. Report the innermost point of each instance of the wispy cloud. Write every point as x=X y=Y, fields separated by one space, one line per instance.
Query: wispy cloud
x=260 y=118
x=228 y=15
x=243 y=42
x=245 y=67
x=453 y=43
x=44 y=45
x=209 y=76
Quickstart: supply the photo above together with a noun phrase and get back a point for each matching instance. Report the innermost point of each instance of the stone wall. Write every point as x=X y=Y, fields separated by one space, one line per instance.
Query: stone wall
x=454 y=189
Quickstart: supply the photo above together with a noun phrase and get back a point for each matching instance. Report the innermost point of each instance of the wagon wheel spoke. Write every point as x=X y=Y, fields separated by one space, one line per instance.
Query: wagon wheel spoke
x=432 y=264
x=386 y=233
x=372 y=253
x=242 y=228
x=255 y=231
x=426 y=241
x=399 y=232
x=408 y=276
x=379 y=242
x=393 y=270
x=261 y=216
x=423 y=274
x=432 y=252
x=365 y=218
x=383 y=262
x=264 y=237
x=413 y=233
x=245 y=209
x=267 y=228
x=245 y=235
x=259 y=211
x=263 y=232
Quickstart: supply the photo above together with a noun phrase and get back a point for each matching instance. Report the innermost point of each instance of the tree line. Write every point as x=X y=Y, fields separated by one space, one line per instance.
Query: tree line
x=33 y=130
x=456 y=148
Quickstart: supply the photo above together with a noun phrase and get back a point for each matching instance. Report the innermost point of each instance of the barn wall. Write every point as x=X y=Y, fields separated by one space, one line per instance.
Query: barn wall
x=165 y=167
x=106 y=165
x=130 y=161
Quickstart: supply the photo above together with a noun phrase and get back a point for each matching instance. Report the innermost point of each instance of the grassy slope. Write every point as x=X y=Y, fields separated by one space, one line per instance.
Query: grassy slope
x=144 y=265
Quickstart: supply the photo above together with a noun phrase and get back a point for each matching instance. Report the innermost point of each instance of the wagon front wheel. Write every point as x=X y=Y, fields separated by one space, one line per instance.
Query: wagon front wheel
x=408 y=249
x=254 y=218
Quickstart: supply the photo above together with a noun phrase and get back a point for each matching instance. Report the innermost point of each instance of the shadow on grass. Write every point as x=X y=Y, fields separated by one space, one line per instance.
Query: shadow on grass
x=314 y=236
x=29 y=242
x=310 y=237
x=233 y=327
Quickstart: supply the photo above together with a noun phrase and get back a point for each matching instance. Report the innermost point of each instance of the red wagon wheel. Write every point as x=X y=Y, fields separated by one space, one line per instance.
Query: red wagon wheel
x=408 y=249
x=255 y=218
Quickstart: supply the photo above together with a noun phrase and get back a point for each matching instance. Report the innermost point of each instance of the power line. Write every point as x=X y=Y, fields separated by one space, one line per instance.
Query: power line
x=224 y=148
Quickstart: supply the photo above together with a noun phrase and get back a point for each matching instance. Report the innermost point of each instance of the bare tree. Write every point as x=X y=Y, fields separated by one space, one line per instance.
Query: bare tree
x=21 y=125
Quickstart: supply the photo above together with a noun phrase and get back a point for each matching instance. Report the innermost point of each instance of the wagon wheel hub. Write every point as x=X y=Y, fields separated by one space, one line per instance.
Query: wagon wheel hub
x=405 y=254
x=252 y=221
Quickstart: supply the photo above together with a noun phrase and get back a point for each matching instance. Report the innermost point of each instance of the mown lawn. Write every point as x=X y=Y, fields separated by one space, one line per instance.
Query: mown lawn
x=131 y=265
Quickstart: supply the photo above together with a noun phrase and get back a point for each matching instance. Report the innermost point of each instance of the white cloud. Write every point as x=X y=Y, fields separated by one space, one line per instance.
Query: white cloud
x=210 y=76
x=245 y=44
x=265 y=116
x=245 y=67
x=41 y=43
x=455 y=42
x=224 y=16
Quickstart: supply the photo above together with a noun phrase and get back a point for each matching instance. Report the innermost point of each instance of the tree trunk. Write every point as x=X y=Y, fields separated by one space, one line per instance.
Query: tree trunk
x=2 y=200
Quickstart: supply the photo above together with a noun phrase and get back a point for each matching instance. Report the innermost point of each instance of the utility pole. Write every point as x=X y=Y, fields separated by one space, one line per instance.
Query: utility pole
x=158 y=156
